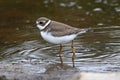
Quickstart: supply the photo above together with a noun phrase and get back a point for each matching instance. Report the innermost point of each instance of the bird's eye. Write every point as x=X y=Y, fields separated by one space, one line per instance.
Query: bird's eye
x=40 y=22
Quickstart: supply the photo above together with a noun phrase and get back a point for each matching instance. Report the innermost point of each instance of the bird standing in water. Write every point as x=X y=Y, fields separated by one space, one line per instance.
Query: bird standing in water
x=58 y=33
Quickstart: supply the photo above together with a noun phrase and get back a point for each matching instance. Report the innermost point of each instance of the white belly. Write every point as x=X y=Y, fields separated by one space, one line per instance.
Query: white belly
x=57 y=40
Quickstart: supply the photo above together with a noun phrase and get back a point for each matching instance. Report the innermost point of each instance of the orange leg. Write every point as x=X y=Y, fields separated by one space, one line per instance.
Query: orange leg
x=60 y=54
x=73 y=51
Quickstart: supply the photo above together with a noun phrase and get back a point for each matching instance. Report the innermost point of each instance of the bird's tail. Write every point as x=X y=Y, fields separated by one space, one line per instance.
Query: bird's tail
x=82 y=31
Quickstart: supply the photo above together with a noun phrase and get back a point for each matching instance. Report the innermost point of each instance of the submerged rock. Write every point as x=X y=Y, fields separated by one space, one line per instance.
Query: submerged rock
x=95 y=76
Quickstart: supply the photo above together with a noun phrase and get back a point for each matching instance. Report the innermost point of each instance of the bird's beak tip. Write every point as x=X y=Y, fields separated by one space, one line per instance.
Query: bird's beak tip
x=34 y=25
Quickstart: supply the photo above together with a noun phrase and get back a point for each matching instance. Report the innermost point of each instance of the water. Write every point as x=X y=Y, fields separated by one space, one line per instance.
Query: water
x=98 y=51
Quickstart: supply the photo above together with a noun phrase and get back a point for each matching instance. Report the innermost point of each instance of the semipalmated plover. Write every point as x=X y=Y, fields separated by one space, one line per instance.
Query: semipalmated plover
x=58 y=33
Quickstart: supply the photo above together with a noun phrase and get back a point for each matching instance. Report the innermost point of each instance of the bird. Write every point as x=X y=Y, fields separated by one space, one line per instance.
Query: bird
x=58 y=33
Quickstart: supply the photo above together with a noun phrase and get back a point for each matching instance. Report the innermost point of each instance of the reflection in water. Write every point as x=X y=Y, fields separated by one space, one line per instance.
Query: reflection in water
x=95 y=51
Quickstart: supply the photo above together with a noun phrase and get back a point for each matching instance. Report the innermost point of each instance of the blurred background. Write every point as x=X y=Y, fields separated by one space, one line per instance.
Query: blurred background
x=20 y=41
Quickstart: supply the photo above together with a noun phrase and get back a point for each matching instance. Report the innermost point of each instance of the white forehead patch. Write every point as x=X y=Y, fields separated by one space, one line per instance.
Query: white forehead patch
x=42 y=27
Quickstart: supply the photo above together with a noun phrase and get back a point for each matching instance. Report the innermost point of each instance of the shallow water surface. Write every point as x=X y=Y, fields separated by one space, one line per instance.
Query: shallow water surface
x=95 y=51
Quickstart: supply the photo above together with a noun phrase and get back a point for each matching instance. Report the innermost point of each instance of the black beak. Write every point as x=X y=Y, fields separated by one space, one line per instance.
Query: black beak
x=34 y=25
